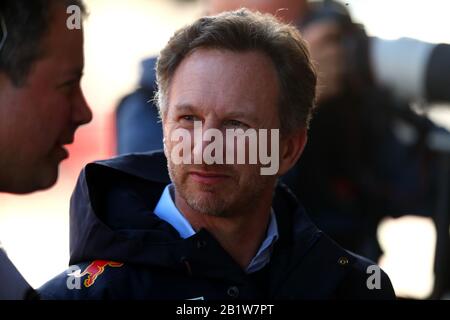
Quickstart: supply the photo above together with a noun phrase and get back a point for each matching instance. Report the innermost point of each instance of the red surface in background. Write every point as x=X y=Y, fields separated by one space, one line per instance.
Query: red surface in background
x=95 y=141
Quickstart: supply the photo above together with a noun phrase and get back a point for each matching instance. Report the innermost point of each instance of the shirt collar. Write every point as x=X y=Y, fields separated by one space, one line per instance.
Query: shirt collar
x=167 y=211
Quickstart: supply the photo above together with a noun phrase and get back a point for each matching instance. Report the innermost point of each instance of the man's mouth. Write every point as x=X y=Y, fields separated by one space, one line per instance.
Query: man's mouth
x=207 y=177
x=61 y=150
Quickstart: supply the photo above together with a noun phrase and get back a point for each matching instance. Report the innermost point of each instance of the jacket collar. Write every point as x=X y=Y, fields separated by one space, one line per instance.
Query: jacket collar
x=112 y=219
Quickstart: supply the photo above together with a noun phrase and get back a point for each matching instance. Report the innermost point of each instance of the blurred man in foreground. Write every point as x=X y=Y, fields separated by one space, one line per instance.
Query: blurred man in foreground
x=41 y=103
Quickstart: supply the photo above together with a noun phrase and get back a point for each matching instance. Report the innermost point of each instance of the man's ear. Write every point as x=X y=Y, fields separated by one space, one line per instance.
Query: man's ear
x=291 y=149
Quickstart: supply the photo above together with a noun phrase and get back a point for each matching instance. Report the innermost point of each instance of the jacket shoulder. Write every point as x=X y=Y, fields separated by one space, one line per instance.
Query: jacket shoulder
x=365 y=281
x=355 y=276
x=327 y=271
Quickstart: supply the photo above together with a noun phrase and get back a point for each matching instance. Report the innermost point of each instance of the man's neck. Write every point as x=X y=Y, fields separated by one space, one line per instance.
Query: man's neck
x=240 y=234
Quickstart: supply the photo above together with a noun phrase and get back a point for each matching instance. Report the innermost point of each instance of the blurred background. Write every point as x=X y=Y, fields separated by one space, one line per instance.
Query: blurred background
x=119 y=35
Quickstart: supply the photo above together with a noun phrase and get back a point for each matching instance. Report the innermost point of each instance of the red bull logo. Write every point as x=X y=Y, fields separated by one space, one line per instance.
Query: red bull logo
x=95 y=269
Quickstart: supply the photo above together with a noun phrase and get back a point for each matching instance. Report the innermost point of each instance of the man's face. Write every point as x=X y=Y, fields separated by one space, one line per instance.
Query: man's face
x=37 y=119
x=224 y=90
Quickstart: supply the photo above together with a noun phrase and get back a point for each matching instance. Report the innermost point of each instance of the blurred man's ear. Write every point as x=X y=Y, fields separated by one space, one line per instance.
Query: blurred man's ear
x=291 y=148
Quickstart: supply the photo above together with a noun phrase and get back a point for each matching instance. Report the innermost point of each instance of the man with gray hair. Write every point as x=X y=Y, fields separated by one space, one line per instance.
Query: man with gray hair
x=41 y=103
x=217 y=229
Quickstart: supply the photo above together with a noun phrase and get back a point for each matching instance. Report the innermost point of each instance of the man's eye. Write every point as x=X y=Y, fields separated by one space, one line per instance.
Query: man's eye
x=235 y=124
x=189 y=118
x=69 y=85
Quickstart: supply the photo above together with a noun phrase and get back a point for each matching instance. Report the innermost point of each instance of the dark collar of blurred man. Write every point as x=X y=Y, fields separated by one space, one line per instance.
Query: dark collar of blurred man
x=41 y=103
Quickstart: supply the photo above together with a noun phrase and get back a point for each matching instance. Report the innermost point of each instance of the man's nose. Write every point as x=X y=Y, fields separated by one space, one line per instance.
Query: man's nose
x=81 y=114
x=202 y=138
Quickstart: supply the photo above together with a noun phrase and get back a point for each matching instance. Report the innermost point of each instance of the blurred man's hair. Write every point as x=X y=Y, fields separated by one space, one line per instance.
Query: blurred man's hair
x=243 y=30
x=25 y=25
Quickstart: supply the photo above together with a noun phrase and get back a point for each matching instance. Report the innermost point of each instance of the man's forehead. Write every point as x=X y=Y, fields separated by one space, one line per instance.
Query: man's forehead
x=224 y=81
x=59 y=32
x=207 y=58
x=63 y=48
x=241 y=70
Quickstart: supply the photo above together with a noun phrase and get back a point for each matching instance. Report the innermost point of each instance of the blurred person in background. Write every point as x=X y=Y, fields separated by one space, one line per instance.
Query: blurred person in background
x=380 y=165
x=41 y=103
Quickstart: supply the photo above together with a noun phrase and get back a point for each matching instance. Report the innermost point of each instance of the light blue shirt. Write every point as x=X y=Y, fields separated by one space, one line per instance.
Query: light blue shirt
x=167 y=211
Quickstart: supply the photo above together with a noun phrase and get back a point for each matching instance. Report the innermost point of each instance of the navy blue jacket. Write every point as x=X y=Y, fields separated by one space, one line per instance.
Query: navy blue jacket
x=112 y=220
